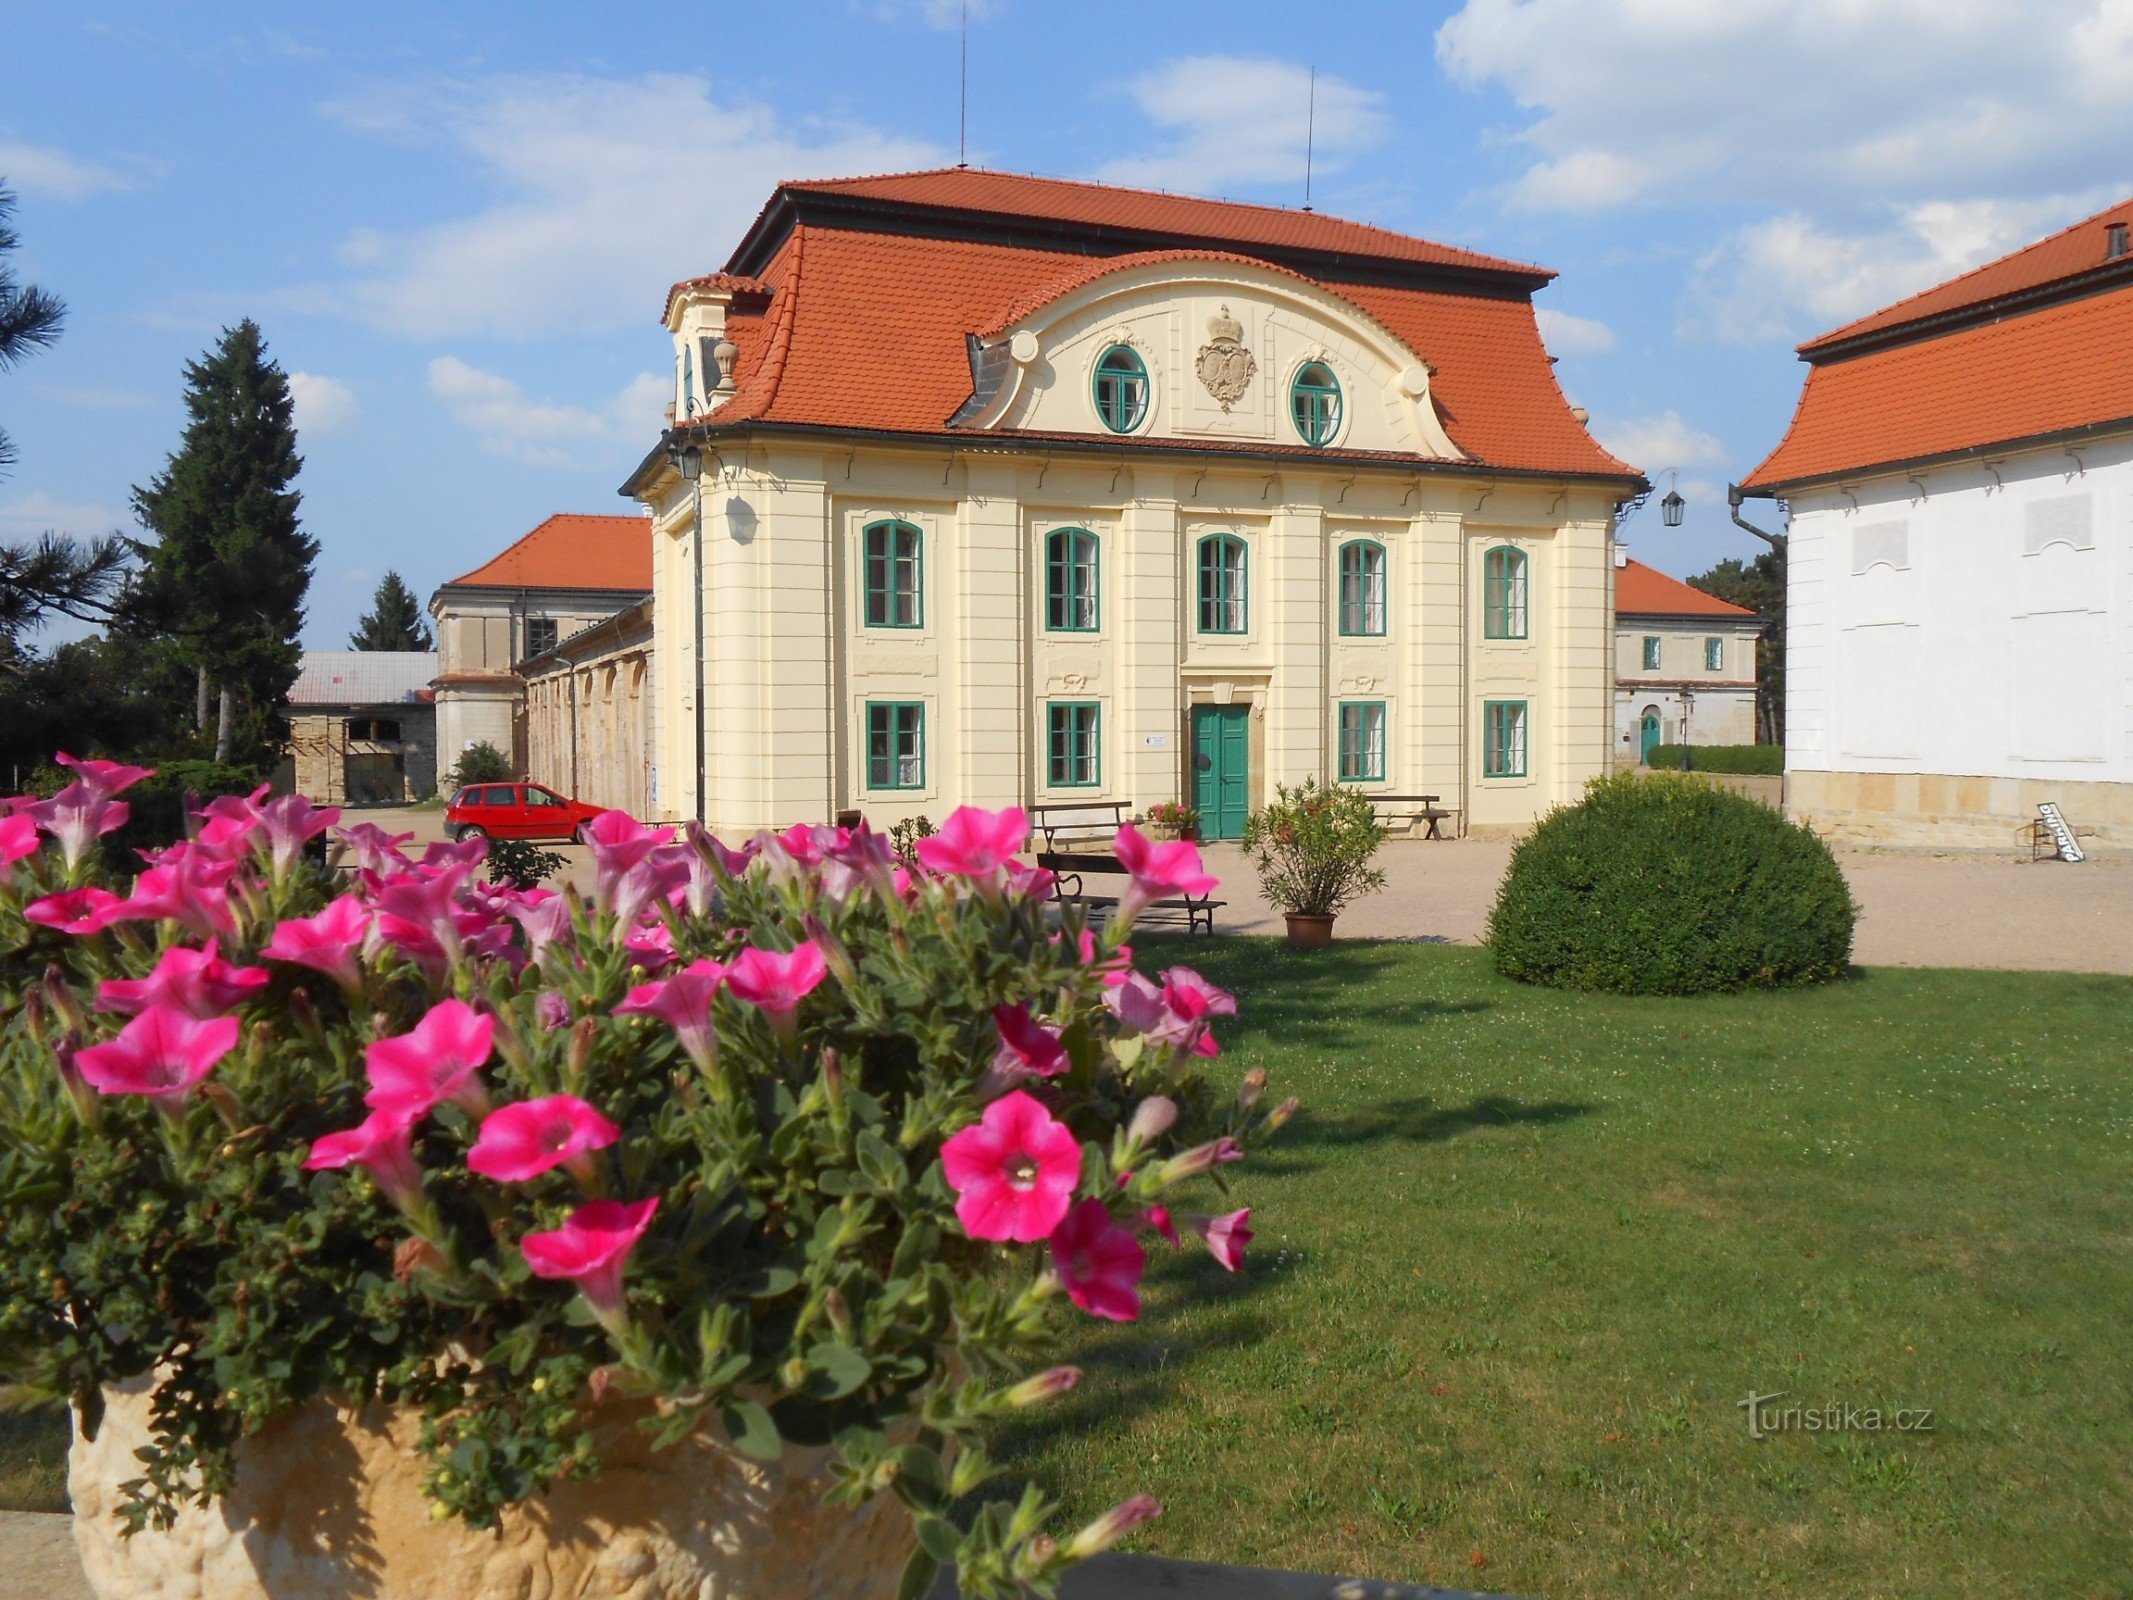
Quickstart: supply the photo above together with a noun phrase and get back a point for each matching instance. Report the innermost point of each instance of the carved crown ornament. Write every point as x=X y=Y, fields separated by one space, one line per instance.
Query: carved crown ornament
x=1224 y=365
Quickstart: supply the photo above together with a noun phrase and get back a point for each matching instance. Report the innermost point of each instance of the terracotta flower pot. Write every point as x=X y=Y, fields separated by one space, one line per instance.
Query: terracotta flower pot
x=1308 y=930
x=328 y=1505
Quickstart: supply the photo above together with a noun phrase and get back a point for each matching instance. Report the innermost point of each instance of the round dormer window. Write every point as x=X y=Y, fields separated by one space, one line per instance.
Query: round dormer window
x=1315 y=402
x=1121 y=388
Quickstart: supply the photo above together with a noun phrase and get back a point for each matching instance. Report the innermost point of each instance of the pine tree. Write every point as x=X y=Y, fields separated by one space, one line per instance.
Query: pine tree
x=29 y=316
x=394 y=621
x=226 y=573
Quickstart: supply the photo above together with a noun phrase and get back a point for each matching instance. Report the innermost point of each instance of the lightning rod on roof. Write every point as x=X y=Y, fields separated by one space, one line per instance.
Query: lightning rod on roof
x=1310 y=132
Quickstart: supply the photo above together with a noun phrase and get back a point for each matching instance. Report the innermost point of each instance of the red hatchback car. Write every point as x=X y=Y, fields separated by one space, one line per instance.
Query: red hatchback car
x=516 y=811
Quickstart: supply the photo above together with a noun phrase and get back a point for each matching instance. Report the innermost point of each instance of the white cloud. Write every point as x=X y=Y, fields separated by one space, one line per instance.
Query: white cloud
x=1792 y=275
x=1566 y=335
x=323 y=405
x=28 y=515
x=42 y=170
x=605 y=191
x=1231 y=121
x=1653 y=444
x=541 y=432
x=1895 y=101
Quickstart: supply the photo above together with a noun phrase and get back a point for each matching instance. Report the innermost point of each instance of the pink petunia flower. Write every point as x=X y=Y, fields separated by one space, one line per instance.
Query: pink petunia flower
x=651 y=945
x=329 y=941
x=1028 y=1049
x=522 y=1141
x=374 y=850
x=418 y=908
x=683 y=1003
x=1158 y=1218
x=731 y=863
x=107 y=778
x=1159 y=871
x=592 y=1250
x=619 y=845
x=1014 y=1172
x=776 y=982
x=76 y=911
x=1099 y=1262
x=77 y=817
x=382 y=1145
x=197 y=982
x=977 y=845
x=1201 y=1158
x=543 y=916
x=1111 y=1527
x=189 y=885
x=289 y=823
x=162 y=1053
x=18 y=837
x=435 y=1061
x=1225 y=1236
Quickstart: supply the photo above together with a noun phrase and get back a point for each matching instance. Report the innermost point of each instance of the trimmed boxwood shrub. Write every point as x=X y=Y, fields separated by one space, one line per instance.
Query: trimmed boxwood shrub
x=1660 y=883
x=1762 y=760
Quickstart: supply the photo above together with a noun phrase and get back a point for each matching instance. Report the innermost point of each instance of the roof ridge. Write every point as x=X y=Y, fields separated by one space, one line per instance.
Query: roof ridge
x=1838 y=334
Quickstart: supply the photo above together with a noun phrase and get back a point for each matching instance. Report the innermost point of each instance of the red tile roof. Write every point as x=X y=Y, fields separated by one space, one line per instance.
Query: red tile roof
x=867 y=326
x=572 y=551
x=2071 y=253
x=1097 y=205
x=1642 y=591
x=2047 y=371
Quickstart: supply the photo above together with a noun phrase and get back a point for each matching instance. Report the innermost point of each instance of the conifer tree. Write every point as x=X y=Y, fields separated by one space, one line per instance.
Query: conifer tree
x=394 y=621
x=227 y=570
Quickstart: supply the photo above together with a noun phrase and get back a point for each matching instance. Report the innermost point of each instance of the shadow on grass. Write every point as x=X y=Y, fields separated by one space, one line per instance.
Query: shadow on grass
x=33 y=1458
x=1346 y=996
x=1306 y=1143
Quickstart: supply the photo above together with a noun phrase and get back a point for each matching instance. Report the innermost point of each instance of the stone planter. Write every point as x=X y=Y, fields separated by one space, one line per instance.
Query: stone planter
x=1162 y=832
x=329 y=1506
x=1308 y=930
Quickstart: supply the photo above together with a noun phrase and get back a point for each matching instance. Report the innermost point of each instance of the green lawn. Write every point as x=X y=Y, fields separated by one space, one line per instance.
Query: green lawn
x=1525 y=1251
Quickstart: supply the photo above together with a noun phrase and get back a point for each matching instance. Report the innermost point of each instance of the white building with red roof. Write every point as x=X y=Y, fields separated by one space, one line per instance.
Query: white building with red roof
x=567 y=574
x=1960 y=569
x=1684 y=665
x=1022 y=491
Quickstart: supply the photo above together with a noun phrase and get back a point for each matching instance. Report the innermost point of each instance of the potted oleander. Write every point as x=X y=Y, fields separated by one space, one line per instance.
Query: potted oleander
x=1313 y=849
x=387 y=1226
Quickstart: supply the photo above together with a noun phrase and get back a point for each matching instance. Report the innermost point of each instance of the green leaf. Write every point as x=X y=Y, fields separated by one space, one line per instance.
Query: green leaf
x=752 y=1431
x=838 y=1369
x=937 y=1537
x=918 y=1576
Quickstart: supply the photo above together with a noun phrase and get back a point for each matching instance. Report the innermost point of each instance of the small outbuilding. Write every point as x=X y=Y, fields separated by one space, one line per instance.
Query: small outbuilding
x=1684 y=665
x=363 y=727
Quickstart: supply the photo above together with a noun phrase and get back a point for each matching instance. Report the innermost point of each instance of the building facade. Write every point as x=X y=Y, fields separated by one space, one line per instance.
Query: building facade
x=590 y=709
x=362 y=728
x=1684 y=665
x=1011 y=491
x=558 y=580
x=1960 y=591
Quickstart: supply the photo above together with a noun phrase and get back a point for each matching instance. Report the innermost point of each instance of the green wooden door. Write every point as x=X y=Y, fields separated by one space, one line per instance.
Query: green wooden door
x=1650 y=731
x=1221 y=757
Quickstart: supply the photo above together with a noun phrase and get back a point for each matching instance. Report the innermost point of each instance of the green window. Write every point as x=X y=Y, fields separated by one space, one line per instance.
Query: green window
x=1362 y=753
x=896 y=744
x=1121 y=388
x=1222 y=599
x=1073 y=731
x=1070 y=580
x=1651 y=652
x=1362 y=587
x=1503 y=594
x=1315 y=402
x=1503 y=739
x=893 y=572
x=1714 y=655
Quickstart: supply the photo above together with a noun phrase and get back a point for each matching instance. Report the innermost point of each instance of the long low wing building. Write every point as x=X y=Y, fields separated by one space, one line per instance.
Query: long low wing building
x=1959 y=644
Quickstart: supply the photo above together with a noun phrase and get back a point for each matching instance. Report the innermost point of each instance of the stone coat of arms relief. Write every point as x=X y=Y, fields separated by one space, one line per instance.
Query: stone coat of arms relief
x=1225 y=366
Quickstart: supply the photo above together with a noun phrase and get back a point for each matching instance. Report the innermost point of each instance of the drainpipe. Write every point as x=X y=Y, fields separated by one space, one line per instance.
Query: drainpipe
x=1735 y=494
x=688 y=460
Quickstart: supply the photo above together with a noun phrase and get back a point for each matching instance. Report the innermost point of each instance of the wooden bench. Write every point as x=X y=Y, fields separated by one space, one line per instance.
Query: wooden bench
x=1075 y=842
x=1421 y=808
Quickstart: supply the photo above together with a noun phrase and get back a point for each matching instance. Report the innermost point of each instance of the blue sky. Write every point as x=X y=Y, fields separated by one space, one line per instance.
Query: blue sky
x=455 y=224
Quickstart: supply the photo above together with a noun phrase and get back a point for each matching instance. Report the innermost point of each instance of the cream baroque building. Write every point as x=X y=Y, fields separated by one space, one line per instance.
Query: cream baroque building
x=1009 y=490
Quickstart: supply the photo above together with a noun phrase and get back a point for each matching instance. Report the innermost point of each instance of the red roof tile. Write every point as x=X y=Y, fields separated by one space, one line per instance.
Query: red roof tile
x=2060 y=367
x=1097 y=205
x=572 y=551
x=868 y=327
x=2069 y=254
x=1642 y=591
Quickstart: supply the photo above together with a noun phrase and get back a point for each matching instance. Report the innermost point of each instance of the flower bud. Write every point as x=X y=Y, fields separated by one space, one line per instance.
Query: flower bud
x=581 y=1044
x=1281 y=1113
x=1044 y=1386
x=1254 y=1085
x=1112 y=1526
x=1201 y=1158
x=1152 y=1118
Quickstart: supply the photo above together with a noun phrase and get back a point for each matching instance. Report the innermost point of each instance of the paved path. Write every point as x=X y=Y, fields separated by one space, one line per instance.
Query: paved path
x=37 y=1559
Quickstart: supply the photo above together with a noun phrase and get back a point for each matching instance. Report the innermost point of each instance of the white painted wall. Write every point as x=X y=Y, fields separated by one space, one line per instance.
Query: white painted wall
x=1972 y=622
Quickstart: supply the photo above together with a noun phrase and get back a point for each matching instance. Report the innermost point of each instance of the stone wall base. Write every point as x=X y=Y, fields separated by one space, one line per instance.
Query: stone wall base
x=1925 y=810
